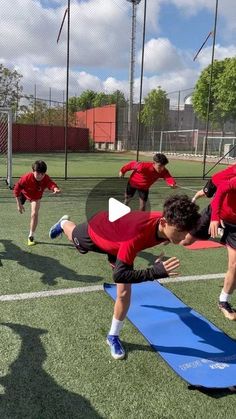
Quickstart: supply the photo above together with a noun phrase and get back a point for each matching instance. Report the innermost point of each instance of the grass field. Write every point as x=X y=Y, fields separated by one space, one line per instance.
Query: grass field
x=99 y=164
x=54 y=359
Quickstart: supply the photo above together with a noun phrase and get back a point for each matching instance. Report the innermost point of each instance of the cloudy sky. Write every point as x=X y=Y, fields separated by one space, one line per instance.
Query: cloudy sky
x=100 y=43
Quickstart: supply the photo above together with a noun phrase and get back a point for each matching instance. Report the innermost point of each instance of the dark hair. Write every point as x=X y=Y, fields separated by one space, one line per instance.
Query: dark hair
x=39 y=166
x=160 y=158
x=179 y=211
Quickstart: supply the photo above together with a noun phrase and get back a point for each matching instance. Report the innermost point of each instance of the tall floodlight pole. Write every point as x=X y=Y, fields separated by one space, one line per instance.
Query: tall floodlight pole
x=209 y=91
x=67 y=12
x=132 y=67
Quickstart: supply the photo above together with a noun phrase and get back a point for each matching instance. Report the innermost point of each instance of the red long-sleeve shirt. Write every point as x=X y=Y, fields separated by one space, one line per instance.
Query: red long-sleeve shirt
x=31 y=188
x=144 y=175
x=126 y=236
x=223 y=204
x=225 y=174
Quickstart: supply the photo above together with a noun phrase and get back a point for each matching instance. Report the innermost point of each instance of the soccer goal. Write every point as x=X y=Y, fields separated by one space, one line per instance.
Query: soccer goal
x=179 y=142
x=6 y=146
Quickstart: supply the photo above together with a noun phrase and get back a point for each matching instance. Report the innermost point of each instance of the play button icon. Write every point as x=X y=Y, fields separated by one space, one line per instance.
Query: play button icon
x=107 y=196
x=116 y=209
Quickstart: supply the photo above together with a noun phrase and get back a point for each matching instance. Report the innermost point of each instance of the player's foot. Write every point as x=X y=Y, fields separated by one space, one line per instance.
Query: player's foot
x=117 y=350
x=31 y=241
x=56 y=229
x=227 y=310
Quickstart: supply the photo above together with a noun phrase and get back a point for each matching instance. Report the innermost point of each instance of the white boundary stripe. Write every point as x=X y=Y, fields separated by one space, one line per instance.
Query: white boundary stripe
x=91 y=288
x=187 y=188
x=191 y=278
x=53 y=293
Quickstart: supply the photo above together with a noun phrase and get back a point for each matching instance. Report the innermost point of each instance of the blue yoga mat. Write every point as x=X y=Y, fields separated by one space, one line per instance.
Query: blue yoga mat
x=194 y=348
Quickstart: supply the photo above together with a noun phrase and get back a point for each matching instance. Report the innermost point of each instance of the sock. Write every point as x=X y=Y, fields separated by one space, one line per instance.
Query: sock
x=116 y=327
x=62 y=223
x=224 y=297
x=31 y=233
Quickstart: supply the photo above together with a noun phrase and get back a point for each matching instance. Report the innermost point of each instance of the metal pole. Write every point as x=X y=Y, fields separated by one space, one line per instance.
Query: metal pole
x=131 y=70
x=67 y=83
x=141 y=77
x=209 y=92
x=9 y=150
x=131 y=75
x=35 y=93
x=50 y=105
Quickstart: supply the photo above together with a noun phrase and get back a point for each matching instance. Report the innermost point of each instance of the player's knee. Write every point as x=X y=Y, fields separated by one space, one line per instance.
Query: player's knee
x=34 y=215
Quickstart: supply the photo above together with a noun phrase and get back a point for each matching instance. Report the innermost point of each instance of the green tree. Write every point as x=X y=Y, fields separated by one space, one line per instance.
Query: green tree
x=90 y=99
x=38 y=112
x=10 y=88
x=85 y=100
x=73 y=104
x=222 y=105
x=101 y=99
x=226 y=92
x=117 y=98
x=154 y=112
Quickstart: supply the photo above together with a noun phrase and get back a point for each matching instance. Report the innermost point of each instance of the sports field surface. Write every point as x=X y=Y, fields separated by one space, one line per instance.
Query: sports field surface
x=55 y=362
x=102 y=164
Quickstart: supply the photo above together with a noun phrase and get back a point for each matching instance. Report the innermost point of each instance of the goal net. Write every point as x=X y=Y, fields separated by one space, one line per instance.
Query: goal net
x=179 y=142
x=195 y=143
x=220 y=146
x=6 y=146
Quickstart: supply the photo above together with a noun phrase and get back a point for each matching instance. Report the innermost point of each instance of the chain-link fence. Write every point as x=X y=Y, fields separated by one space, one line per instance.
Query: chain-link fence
x=39 y=128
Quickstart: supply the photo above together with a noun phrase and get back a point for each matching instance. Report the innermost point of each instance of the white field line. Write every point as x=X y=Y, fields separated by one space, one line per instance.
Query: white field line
x=92 y=288
x=187 y=188
x=181 y=187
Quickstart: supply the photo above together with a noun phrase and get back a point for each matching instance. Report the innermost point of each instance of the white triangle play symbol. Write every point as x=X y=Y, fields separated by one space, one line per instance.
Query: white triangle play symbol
x=116 y=209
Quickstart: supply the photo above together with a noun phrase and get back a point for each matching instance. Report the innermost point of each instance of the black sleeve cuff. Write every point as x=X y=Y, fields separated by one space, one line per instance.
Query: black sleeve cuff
x=125 y=274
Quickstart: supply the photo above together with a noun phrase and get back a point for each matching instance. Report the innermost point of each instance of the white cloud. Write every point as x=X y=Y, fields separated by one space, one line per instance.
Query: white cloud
x=111 y=85
x=98 y=33
x=191 y=7
x=160 y=55
x=100 y=44
x=226 y=10
x=205 y=56
x=87 y=81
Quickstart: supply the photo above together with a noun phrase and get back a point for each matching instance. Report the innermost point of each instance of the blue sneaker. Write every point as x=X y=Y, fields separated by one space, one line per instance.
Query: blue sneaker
x=56 y=229
x=117 y=350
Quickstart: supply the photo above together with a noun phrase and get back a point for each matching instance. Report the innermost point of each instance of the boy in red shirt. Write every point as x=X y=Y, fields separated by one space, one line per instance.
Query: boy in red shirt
x=221 y=213
x=143 y=176
x=122 y=239
x=31 y=187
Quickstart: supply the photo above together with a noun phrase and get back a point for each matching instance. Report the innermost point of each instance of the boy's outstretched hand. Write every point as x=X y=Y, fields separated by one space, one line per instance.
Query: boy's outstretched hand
x=20 y=208
x=170 y=265
x=56 y=190
x=121 y=174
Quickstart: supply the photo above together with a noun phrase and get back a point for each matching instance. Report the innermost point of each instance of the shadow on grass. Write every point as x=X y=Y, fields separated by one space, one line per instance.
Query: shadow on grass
x=215 y=393
x=30 y=392
x=150 y=258
x=49 y=267
x=134 y=347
